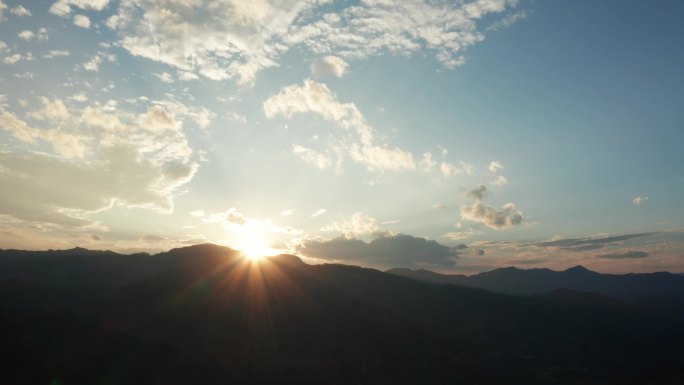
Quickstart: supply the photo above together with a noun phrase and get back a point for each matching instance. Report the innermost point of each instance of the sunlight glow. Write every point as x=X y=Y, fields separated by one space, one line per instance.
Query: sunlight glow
x=255 y=247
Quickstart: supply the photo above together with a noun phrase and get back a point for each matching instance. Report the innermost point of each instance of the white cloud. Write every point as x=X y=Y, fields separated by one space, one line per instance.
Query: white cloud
x=494 y=166
x=358 y=224
x=24 y=75
x=19 y=10
x=82 y=21
x=311 y=156
x=329 y=65
x=164 y=77
x=43 y=34
x=3 y=6
x=499 y=181
x=3 y=46
x=237 y=39
x=56 y=53
x=427 y=164
x=12 y=59
x=93 y=64
x=26 y=35
x=287 y=213
x=62 y=8
x=98 y=157
x=318 y=213
x=639 y=200
x=79 y=97
x=314 y=97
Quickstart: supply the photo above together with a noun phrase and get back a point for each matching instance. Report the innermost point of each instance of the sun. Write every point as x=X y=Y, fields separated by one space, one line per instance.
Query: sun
x=255 y=247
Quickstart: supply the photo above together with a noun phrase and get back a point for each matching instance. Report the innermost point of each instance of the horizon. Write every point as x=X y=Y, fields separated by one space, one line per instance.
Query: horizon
x=308 y=261
x=455 y=137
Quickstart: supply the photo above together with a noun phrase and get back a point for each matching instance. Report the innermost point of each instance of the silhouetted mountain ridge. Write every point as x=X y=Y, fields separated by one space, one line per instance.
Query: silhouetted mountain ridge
x=511 y=280
x=205 y=315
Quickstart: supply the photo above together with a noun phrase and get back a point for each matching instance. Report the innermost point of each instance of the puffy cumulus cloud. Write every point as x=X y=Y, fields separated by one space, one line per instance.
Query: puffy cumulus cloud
x=384 y=250
x=93 y=158
x=234 y=39
x=358 y=224
x=639 y=200
x=317 y=98
x=329 y=65
x=63 y=8
x=450 y=169
x=26 y=35
x=507 y=217
x=82 y=21
x=588 y=243
x=499 y=181
x=626 y=255
x=494 y=166
x=20 y=11
x=498 y=219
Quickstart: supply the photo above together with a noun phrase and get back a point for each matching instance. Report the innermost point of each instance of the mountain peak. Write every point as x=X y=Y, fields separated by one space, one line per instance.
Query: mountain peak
x=578 y=269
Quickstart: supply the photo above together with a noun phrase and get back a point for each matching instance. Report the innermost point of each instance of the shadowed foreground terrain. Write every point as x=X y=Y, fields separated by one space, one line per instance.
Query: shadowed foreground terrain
x=205 y=315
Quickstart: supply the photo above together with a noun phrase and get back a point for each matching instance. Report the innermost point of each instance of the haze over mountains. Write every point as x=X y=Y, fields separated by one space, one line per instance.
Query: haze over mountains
x=206 y=315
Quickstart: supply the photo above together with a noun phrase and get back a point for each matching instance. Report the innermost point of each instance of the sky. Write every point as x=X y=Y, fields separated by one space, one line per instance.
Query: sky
x=454 y=136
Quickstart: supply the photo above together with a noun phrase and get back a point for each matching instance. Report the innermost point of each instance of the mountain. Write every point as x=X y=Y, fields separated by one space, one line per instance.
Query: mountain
x=510 y=280
x=205 y=315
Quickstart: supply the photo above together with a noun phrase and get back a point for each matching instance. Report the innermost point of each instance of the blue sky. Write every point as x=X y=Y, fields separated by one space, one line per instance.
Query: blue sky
x=454 y=136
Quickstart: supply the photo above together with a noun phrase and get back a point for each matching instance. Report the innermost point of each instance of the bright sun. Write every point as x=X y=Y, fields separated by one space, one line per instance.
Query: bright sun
x=255 y=247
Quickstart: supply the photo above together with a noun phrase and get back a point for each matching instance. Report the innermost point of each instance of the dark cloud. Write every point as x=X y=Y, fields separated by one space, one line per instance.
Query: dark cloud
x=625 y=255
x=589 y=243
x=479 y=252
x=385 y=250
x=478 y=193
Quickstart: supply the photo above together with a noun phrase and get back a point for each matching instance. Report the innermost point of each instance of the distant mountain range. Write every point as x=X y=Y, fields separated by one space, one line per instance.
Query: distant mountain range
x=514 y=281
x=206 y=315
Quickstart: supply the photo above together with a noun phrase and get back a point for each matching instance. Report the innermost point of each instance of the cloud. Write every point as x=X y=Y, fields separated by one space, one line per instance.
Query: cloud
x=237 y=39
x=287 y=213
x=56 y=53
x=20 y=11
x=477 y=193
x=588 y=243
x=317 y=98
x=26 y=35
x=318 y=213
x=91 y=159
x=197 y=213
x=494 y=166
x=384 y=250
x=499 y=181
x=82 y=21
x=358 y=224
x=625 y=255
x=639 y=200
x=164 y=77
x=507 y=21
x=312 y=156
x=329 y=65
x=507 y=217
x=62 y=8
